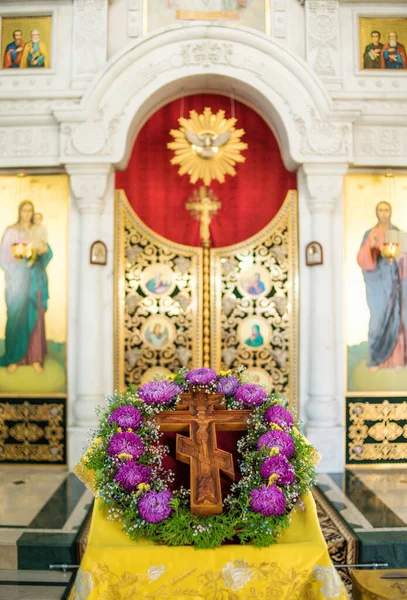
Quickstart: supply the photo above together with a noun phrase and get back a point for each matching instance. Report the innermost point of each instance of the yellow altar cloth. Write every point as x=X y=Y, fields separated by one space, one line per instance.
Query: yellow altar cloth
x=298 y=567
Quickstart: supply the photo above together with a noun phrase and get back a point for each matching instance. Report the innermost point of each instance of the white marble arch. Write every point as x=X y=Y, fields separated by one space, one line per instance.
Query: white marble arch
x=179 y=60
x=97 y=137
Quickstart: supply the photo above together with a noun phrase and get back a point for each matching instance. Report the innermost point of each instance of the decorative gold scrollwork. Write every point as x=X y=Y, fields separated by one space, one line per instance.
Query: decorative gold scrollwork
x=383 y=422
x=254 y=304
x=158 y=313
x=32 y=432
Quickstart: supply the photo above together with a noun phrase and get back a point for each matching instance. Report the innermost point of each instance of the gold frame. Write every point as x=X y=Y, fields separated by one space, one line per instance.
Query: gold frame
x=49 y=27
x=289 y=209
x=347 y=394
x=68 y=215
x=267 y=18
x=123 y=209
x=364 y=27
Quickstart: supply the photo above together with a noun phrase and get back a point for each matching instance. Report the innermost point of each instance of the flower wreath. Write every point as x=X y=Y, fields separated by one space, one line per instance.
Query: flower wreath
x=126 y=462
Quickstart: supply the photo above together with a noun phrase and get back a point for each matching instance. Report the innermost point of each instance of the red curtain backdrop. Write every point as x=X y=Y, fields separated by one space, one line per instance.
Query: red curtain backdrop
x=249 y=200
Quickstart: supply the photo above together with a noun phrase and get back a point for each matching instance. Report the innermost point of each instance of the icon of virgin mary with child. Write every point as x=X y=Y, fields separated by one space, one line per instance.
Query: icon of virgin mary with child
x=26 y=291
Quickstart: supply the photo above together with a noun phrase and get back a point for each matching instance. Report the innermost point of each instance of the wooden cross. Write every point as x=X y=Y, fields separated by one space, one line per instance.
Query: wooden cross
x=204 y=206
x=197 y=414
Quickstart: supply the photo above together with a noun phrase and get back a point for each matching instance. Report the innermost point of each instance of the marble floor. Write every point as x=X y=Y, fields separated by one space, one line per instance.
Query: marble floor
x=42 y=511
x=373 y=503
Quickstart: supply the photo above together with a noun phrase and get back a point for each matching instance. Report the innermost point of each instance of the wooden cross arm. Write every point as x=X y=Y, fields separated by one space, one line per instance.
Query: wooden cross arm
x=231 y=420
x=173 y=421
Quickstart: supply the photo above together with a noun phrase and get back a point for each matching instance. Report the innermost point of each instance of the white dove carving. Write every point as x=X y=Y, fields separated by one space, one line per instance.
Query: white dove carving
x=207 y=145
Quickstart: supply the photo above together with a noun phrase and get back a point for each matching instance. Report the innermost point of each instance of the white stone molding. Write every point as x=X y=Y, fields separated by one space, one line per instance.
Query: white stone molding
x=323 y=37
x=279 y=18
x=89 y=41
x=88 y=185
x=378 y=145
x=369 y=84
x=162 y=66
x=324 y=188
x=22 y=83
x=29 y=146
x=135 y=18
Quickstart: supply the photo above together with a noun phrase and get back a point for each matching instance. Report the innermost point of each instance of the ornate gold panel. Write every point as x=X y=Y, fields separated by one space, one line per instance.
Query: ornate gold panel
x=254 y=299
x=31 y=432
x=158 y=294
x=376 y=431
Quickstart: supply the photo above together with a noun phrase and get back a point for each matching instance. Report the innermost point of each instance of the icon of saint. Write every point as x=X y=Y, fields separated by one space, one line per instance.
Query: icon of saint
x=158 y=285
x=256 y=339
x=256 y=285
x=157 y=336
x=26 y=291
x=386 y=295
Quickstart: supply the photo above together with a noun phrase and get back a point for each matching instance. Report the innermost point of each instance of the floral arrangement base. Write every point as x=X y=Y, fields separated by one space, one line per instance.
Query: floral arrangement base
x=125 y=461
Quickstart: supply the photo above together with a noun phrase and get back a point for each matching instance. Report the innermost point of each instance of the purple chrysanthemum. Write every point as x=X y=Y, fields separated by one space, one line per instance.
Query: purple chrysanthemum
x=202 y=376
x=251 y=395
x=126 y=443
x=278 y=465
x=130 y=475
x=227 y=386
x=154 y=506
x=159 y=392
x=277 y=439
x=280 y=416
x=126 y=416
x=268 y=500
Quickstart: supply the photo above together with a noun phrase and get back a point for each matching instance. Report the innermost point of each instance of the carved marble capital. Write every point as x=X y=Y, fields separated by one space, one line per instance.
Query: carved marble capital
x=88 y=185
x=324 y=184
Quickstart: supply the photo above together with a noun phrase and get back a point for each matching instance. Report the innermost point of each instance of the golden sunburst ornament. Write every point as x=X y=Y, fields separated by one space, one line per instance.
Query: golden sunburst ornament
x=207 y=146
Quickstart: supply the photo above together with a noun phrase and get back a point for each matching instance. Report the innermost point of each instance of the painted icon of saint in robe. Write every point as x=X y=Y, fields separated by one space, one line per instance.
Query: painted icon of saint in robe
x=157 y=336
x=26 y=291
x=386 y=295
x=256 y=286
x=14 y=51
x=256 y=339
x=35 y=53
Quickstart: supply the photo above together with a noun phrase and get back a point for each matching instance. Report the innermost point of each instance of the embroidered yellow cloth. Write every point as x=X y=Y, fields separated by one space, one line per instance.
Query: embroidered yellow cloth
x=298 y=567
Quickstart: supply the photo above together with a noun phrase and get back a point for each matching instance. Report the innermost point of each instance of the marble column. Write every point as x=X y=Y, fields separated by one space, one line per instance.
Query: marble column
x=324 y=423
x=88 y=186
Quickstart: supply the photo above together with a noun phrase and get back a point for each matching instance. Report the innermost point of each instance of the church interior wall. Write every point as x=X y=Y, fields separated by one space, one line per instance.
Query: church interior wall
x=343 y=116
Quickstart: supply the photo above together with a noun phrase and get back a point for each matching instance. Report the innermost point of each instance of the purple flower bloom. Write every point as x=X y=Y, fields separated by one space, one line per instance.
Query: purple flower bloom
x=277 y=439
x=126 y=416
x=159 y=392
x=154 y=506
x=268 y=500
x=126 y=443
x=201 y=376
x=279 y=415
x=251 y=395
x=227 y=386
x=130 y=475
x=280 y=466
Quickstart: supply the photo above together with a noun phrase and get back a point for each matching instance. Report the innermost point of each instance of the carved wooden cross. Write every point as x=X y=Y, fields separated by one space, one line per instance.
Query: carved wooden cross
x=197 y=414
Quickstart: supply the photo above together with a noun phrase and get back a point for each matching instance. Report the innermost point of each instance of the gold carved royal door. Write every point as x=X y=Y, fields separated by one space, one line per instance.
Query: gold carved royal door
x=253 y=303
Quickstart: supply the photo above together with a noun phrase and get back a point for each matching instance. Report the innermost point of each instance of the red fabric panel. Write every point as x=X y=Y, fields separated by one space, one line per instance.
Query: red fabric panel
x=249 y=200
